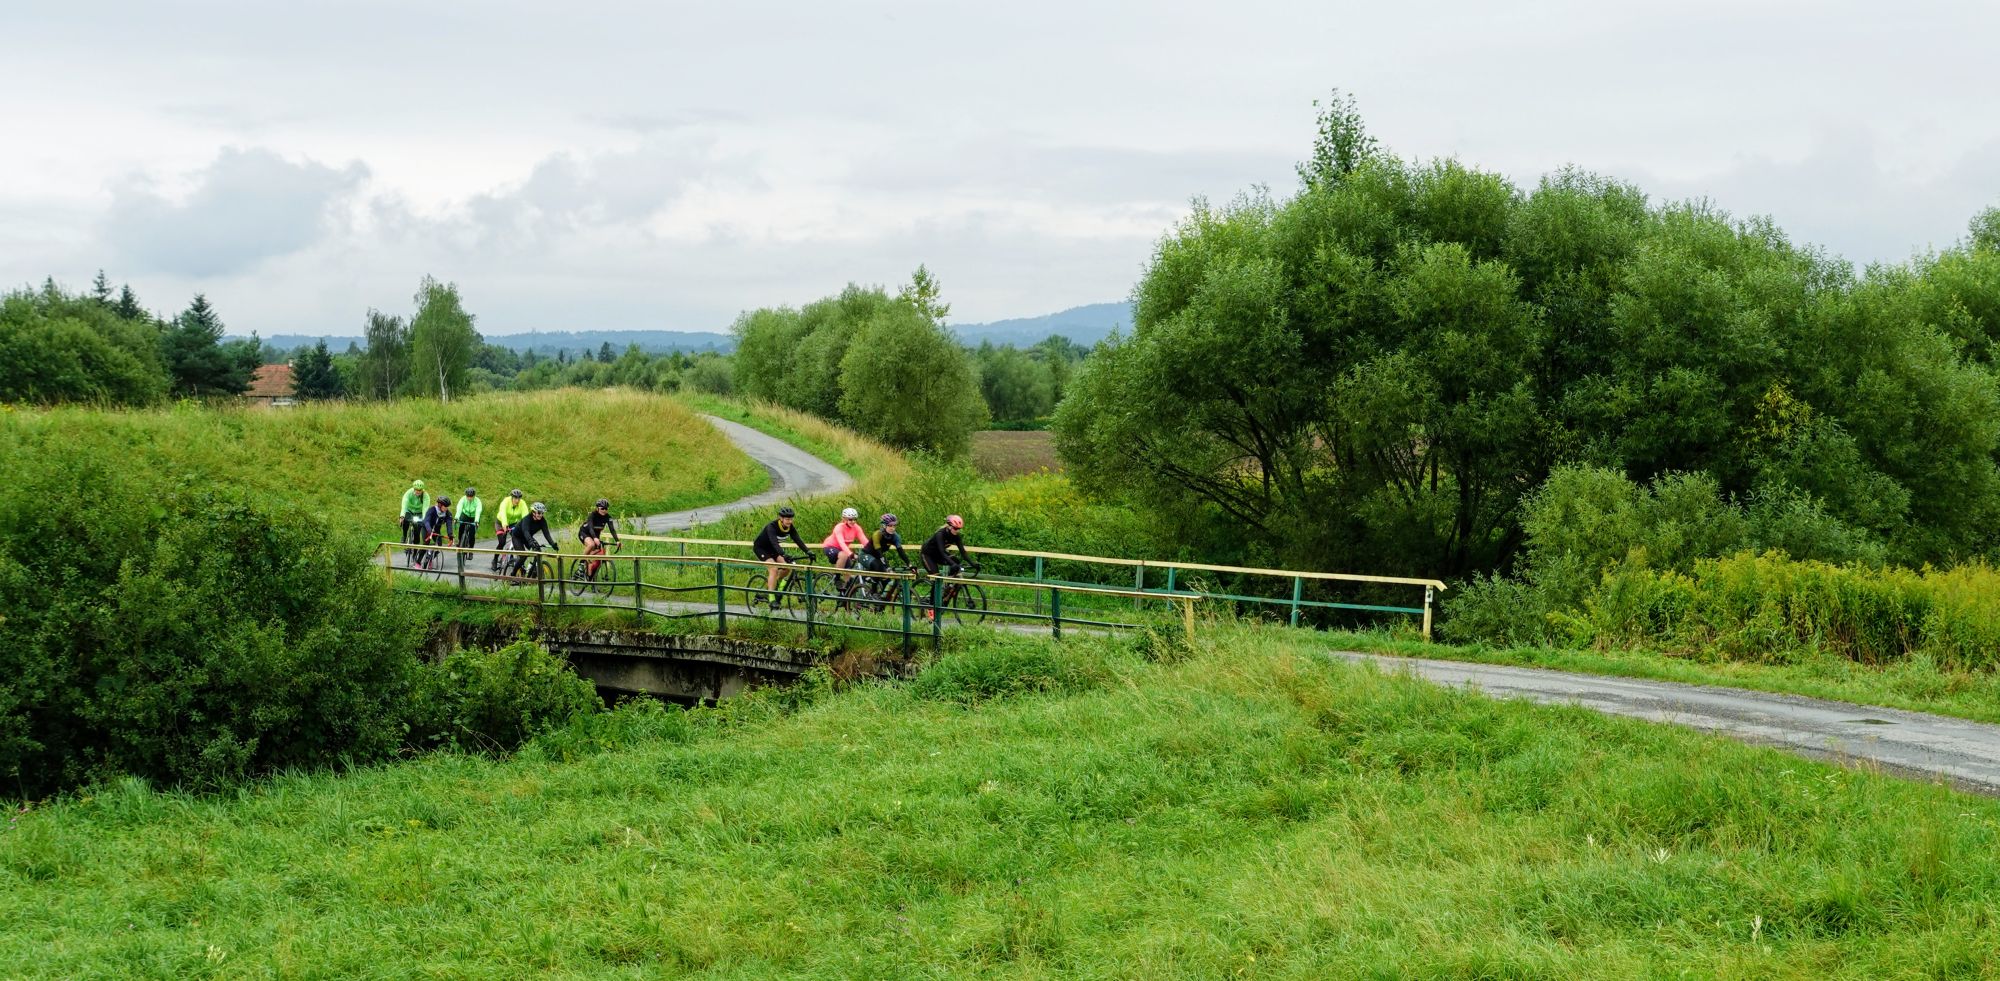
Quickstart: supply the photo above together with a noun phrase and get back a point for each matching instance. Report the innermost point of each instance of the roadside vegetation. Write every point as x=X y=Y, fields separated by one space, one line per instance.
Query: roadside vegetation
x=1092 y=808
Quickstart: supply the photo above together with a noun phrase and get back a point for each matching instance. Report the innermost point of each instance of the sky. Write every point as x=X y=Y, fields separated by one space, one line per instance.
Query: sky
x=614 y=166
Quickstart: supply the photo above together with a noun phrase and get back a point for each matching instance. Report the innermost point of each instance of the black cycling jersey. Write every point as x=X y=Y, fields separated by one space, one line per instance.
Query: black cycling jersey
x=594 y=526
x=934 y=546
x=881 y=542
x=770 y=543
x=524 y=531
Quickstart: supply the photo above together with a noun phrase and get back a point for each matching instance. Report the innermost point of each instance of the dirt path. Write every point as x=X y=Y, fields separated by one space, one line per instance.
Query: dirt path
x=1966 y=754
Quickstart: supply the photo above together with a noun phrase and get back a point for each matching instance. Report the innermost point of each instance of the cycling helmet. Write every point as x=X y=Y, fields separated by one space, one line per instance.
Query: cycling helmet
x=472 y=492
x=539 y=508
x=785 y=512
x=515 y=493
x=418 y=484
x=601 y=502
x=888 y=519
x=849 y=514
x=955 y=522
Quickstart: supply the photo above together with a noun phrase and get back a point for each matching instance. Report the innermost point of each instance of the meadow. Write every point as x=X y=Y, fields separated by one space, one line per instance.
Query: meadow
x=1139 y=807
x=350 y=462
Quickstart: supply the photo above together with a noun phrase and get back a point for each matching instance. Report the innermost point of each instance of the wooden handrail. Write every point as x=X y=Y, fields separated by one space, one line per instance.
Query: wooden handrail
x=1108 y=560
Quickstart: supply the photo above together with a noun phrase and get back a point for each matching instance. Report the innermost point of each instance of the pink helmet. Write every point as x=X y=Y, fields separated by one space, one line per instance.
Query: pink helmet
x=955 y=522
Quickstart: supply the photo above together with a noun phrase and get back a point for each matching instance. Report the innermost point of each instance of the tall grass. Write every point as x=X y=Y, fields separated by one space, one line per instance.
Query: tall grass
x=1243 y=809
x=352 y=461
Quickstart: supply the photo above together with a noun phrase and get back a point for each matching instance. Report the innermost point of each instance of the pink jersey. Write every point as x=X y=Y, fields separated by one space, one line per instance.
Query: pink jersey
x=855 y=540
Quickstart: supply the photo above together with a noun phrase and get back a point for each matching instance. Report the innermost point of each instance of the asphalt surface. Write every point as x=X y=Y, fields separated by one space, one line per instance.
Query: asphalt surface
x=794 y=474
x=1965 y=754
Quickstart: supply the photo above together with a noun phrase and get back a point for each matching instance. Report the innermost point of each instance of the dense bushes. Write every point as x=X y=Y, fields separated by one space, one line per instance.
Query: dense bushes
x=191 y=635
x=184 y=634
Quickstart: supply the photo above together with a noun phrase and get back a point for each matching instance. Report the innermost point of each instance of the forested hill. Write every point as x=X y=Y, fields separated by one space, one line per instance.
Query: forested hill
x=1086 y=325
x=547 y=343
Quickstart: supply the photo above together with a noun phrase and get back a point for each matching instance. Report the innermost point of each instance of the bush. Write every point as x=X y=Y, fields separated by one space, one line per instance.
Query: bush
x=496 y=700
x=183 y=634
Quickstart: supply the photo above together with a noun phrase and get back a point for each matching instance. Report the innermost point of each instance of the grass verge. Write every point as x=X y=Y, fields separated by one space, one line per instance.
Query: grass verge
x=1241 y=807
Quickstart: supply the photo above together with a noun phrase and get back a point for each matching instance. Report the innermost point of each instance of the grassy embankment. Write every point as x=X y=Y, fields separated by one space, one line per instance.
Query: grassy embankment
x=1025 y=809
x=999 y=454
x=351 y=462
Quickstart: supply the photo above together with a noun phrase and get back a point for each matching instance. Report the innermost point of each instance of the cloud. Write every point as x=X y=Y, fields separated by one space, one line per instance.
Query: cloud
x=245 y=207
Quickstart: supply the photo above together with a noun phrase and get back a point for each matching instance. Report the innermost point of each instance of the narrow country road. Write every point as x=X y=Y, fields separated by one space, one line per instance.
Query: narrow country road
x=794 y=474
x=1966 y=754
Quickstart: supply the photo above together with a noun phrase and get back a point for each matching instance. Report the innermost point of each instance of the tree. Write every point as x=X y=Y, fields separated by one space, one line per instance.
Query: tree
x=384 y=368
x=313 y=374
x=1985 y=229
x=193 y=352
x=922 y=292
x=1341 y=144
x=1017 y=387
x=906 y=381
x=442 y=340
x=100 y=289
x=604 y=355
x=71 y=349
x=128 y=307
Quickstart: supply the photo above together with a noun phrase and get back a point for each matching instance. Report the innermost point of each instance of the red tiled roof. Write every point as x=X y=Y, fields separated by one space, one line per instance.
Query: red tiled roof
x=271 y=381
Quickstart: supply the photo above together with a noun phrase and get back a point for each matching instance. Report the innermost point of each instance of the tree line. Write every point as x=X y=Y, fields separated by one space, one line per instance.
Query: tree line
x=1372 y=373
x=103 y=347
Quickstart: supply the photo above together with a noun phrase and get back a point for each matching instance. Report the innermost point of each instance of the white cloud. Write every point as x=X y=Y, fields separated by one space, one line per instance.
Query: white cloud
x=245 y=207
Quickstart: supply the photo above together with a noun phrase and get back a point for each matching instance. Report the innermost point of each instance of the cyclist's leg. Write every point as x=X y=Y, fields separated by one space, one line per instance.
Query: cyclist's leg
x=771 y=580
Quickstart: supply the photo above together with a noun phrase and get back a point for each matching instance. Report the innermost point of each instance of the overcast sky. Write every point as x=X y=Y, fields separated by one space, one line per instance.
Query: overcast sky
x=666 y=165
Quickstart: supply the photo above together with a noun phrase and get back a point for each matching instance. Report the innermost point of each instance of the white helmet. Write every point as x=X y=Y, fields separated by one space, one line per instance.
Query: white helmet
x=849 y=514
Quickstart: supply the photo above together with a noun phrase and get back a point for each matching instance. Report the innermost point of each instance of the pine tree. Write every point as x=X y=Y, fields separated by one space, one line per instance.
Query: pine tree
x=192 y=349
x=604 y=355
x=128 y=307
x=100 y=288
x=313 y=375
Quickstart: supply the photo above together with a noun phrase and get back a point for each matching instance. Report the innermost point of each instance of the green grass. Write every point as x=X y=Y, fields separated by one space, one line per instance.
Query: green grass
x=1243 y=808
x=1918 y=683
x=352 y=462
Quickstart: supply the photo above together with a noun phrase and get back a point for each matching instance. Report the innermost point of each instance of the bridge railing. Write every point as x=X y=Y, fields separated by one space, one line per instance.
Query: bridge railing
x=687 y=587
x=1152 y=578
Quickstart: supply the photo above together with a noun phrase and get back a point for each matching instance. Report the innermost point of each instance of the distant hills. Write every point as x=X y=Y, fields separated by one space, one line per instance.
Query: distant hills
x=1085 y=325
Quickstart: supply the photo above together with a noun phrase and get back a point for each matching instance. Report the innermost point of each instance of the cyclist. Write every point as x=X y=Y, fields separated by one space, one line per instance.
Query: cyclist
x=846 y=537
x=436 y=526
x=952 y=533
x=523 y=532
x=510 y=511
x=769 y=546
x=595 y=524
x=875 y=554
x=412 y=510
x=470 y=509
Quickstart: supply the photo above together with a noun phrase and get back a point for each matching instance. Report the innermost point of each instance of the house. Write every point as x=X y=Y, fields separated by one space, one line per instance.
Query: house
x=271 y=387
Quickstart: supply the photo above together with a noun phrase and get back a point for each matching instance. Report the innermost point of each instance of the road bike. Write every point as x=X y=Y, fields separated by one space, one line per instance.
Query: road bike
x=964 y=602
x=791 y=590
x=430 y=559
x=592 y=573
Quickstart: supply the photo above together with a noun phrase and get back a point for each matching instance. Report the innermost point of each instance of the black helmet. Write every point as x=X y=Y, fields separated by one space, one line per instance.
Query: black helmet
x=516 y=492
x=785 y=512
x=601 y=502
x=472 y=492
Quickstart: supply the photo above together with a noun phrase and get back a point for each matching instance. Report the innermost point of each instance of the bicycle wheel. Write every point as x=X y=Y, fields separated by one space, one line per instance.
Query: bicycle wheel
x=967 y=604
x=757 y=592
x=600 y=577
x=583 y=576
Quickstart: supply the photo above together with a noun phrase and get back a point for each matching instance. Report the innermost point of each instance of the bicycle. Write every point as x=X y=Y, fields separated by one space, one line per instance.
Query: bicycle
x=791 y=587
x=499 y=542
x=585 y=572
x=877 y=591
x=429 y=560
x=964 y=601
x=523 y=566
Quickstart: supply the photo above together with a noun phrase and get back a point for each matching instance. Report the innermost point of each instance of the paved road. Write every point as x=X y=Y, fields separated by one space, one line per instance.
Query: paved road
x=794 y=474
x=1963 y=753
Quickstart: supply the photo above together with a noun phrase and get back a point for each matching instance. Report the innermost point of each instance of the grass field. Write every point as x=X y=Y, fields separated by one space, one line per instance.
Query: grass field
x=351 y=462
x=999 y=454
x=1033 y=810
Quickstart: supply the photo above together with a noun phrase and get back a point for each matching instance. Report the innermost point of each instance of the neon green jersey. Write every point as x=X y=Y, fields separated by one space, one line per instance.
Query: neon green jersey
x=470 y=509
x=414 y=501
x=511 y=509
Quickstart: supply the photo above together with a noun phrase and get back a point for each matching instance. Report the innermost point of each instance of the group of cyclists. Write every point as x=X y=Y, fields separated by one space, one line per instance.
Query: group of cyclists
x=437 y=520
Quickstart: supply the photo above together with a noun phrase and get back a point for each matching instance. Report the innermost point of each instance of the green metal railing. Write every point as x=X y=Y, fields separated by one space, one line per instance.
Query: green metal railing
x=666 y=587
x=1036 y=570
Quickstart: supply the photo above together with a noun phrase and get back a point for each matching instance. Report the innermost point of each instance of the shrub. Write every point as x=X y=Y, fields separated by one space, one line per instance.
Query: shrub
x=184 y=634
x=1002 y=667
x=496 y=700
